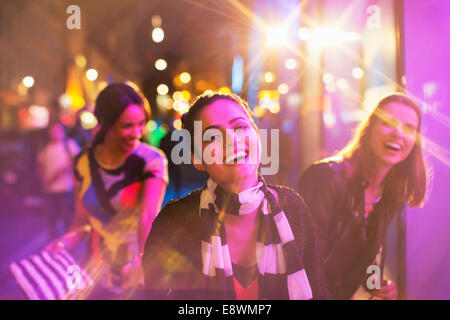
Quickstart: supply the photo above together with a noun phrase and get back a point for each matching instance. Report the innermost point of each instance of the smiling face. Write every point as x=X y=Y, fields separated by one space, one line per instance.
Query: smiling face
x=234 y=147
x=394 y=133
x=128 y=129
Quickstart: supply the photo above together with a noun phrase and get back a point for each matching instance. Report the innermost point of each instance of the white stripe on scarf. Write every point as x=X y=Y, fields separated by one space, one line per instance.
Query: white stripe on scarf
x=270 y=258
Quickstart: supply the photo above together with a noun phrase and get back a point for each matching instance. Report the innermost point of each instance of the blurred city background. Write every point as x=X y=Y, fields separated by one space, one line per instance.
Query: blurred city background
x=312 y=69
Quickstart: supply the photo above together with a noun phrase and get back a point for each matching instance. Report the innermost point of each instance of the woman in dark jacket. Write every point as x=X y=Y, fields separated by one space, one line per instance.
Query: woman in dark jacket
x=236 y=238
x=353 y=196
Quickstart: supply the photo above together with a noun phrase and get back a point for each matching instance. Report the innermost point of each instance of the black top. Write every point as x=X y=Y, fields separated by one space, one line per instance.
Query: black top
x=172 y=258
x=348 y=242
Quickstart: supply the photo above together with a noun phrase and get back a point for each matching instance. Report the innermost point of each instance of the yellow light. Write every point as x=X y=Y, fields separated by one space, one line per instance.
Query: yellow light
x=275 y=108
x=358 y=73
x=225 y=90
x=186 y=95
x=91 y=74
x=268 y=94
x=160 y=64
x=276 y=36
x=156 y=21
x=177 y=124
x=158 y=35
x=201 y=85
x=269 y=77
x=21 y=89
x=162 y=89
x=28 y=81
x=290 y=64
x=177 y=96
x=80 y=61
x=181 y=106
x=102 y=85
x=283 y=88
x=88 y=120
x=77 y=101
x=185 y=77
x=164 y=101
x=259 y=111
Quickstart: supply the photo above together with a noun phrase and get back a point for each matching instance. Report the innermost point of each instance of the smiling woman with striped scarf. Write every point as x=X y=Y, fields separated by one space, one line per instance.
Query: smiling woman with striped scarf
x=236 y=238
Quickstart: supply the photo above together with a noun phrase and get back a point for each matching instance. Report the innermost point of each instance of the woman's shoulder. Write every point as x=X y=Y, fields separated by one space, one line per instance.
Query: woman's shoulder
x=149 y=152
x=289 y=199
x=331 y=165
x=181 y=209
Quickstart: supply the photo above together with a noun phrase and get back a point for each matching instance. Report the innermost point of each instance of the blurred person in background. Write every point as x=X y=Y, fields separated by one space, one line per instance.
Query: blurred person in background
x=354 y=196
x=55 y=170
x=120 y=186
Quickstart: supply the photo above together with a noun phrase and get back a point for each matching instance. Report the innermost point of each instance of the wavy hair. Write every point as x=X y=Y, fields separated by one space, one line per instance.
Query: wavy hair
x=407 y=180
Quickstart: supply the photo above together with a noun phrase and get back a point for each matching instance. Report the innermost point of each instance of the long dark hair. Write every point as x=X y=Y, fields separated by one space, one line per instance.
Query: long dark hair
x=111 y=102
x=407 y=180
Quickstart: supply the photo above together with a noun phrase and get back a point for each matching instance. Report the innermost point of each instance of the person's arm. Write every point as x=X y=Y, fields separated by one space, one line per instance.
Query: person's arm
x=317 y=189
x=153 y=196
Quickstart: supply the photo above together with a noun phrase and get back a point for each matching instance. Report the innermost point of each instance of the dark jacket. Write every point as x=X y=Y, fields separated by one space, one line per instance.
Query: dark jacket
x=172 y=258
x=348 y=243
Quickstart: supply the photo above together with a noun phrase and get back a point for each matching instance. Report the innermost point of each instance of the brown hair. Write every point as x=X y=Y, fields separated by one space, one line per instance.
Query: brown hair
x=407 y=180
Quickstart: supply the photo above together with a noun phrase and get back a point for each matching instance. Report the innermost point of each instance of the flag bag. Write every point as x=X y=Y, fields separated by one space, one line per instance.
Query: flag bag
x=44 y=276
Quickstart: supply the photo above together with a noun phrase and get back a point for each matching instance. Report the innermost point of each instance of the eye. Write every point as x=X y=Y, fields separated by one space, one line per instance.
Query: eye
x=409 y=130
x=240 y=128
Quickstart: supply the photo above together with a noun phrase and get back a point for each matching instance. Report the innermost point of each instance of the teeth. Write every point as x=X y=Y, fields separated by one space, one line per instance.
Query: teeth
x=393 y=146
x=236 y=157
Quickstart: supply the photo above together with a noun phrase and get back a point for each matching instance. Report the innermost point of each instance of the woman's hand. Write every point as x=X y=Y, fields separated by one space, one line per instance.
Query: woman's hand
x=388 y=291
x=133 y=273
x=56 y=246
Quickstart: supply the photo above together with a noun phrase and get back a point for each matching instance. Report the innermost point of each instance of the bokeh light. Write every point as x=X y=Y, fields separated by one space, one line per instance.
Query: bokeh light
x=269 y=77
x=91 y=74
x=160 y=64
x=283 y=88
x=358 y=73
x=88 y=120
x=290 y=64
x=80 y=61
x=156 y=21
x=162 y=89
x=185 y=77
x=158 y=35
x=28 y=81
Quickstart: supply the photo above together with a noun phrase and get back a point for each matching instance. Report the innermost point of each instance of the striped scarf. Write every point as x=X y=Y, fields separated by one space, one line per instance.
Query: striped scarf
x=281 y=274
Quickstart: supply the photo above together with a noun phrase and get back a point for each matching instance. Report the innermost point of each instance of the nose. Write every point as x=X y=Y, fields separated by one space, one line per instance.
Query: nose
x=233 y=141
x=137 y=132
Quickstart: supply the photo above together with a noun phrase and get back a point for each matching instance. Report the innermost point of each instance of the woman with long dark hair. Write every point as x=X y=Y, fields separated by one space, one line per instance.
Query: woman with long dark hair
x=354 y=195
x=120 y=186
x=237 y=237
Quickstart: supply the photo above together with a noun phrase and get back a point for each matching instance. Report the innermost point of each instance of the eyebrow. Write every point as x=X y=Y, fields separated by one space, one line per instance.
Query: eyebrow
x=218 y=127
